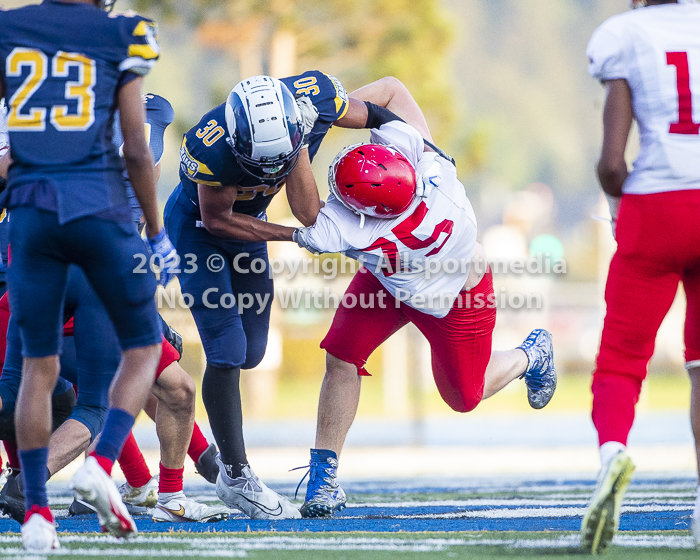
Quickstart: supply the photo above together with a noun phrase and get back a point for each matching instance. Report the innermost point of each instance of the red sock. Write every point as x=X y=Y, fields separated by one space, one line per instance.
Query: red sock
x=198 y=444
x=45 y=512
x=105 y=463
x=133 y=464
x=11 y=450
x=170 y=479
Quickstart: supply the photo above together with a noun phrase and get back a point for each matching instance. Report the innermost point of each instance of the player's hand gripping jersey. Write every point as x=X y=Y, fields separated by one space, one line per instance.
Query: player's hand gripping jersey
x=68 y=96
x=434 y=239
x=657 y=51
x=206 y=157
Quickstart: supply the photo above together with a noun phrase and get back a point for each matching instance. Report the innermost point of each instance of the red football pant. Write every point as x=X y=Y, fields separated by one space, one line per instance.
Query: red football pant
x=658 y=246
x=460 y=342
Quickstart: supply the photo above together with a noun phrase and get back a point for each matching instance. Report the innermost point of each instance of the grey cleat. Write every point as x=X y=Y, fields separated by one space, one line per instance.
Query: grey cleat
x=250 y=495
x=540 y=375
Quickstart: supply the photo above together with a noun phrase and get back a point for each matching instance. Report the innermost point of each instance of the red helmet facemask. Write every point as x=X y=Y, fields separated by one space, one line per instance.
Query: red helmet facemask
x=373 y=180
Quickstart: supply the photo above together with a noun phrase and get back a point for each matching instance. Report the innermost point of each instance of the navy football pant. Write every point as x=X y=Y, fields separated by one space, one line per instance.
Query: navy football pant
x=231 y=337
x=89 y=359
x=42 y=250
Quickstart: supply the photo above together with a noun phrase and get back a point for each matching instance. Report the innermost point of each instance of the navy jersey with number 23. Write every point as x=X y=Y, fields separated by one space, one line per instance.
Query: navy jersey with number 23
x=61 y=101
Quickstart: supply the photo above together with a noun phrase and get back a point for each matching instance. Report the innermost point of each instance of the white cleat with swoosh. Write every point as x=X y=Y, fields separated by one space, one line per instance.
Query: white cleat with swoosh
x=178 y=508
x=250 y=495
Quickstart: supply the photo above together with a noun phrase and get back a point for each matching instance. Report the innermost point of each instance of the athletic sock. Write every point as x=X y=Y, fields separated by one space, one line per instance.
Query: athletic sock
x=165 y=497
x=198 y=444
x=322 y=455
x=44 y=511
x=116 y=429
x=234 y=470
x=221 y=395
x=133 y=464
x=608 y=450
x=12 y=458
x=170 y=480
x=33 y=464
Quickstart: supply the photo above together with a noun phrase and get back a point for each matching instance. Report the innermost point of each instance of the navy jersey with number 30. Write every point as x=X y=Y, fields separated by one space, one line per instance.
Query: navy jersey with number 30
x=207 y=159
x=63 y=64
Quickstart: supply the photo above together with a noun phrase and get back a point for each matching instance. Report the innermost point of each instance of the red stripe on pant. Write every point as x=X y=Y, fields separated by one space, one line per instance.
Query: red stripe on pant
x=658 y=238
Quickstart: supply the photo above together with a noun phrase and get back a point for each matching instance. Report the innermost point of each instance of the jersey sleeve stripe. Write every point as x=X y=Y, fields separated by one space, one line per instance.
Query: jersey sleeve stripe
x=338 y=103
x=137 y=65
x=141 y=28
x=206 y=183
x=144 y=51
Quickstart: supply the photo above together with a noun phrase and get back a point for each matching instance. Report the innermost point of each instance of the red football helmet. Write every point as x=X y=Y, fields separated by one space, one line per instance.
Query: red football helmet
x=373 y=180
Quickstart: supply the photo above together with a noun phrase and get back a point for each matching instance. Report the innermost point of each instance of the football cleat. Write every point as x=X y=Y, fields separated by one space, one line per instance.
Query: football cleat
x=602 y=516
x=94 y=486
x=78 y=507
x=145 y=496
x=323 y=493
x=540 y=375
x=695 y=524
x=3 y=476
x=179 y=508
x=250 y=495
x=12 y=497
x=39 y=534
x=206 y=466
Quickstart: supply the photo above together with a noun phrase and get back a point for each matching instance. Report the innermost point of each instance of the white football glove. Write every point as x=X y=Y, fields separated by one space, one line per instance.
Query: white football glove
x=429 y=180
x=309 y=114
x=301 y=237
x=614 y=204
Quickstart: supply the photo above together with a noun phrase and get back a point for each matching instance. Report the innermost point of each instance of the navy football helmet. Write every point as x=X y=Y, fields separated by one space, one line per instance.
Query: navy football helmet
x=265 y=128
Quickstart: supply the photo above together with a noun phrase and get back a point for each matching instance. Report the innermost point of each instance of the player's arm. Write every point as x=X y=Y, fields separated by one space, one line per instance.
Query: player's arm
x=215 y=205
x=137 y=155
x=617 y=122
x=5 y=162
x=323 y=237
x=391 y=94
x=302 y=192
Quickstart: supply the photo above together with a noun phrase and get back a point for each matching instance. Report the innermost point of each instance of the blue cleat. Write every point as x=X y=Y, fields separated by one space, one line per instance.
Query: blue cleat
x=323 y=493
x=540 y=375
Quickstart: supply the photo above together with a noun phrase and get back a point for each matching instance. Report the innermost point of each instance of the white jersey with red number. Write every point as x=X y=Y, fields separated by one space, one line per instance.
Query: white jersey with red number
x=434 y=239
x=657 y=51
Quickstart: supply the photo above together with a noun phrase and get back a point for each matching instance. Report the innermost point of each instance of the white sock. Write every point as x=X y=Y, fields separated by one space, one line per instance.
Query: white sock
x=608 y=450
x=165 y=497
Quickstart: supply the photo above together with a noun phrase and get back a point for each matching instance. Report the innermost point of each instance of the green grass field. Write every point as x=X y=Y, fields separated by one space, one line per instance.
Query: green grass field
x=356 y=546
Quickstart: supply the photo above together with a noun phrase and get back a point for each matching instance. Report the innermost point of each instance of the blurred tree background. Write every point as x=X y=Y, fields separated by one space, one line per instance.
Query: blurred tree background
x=502 y=82
x=505 y=89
